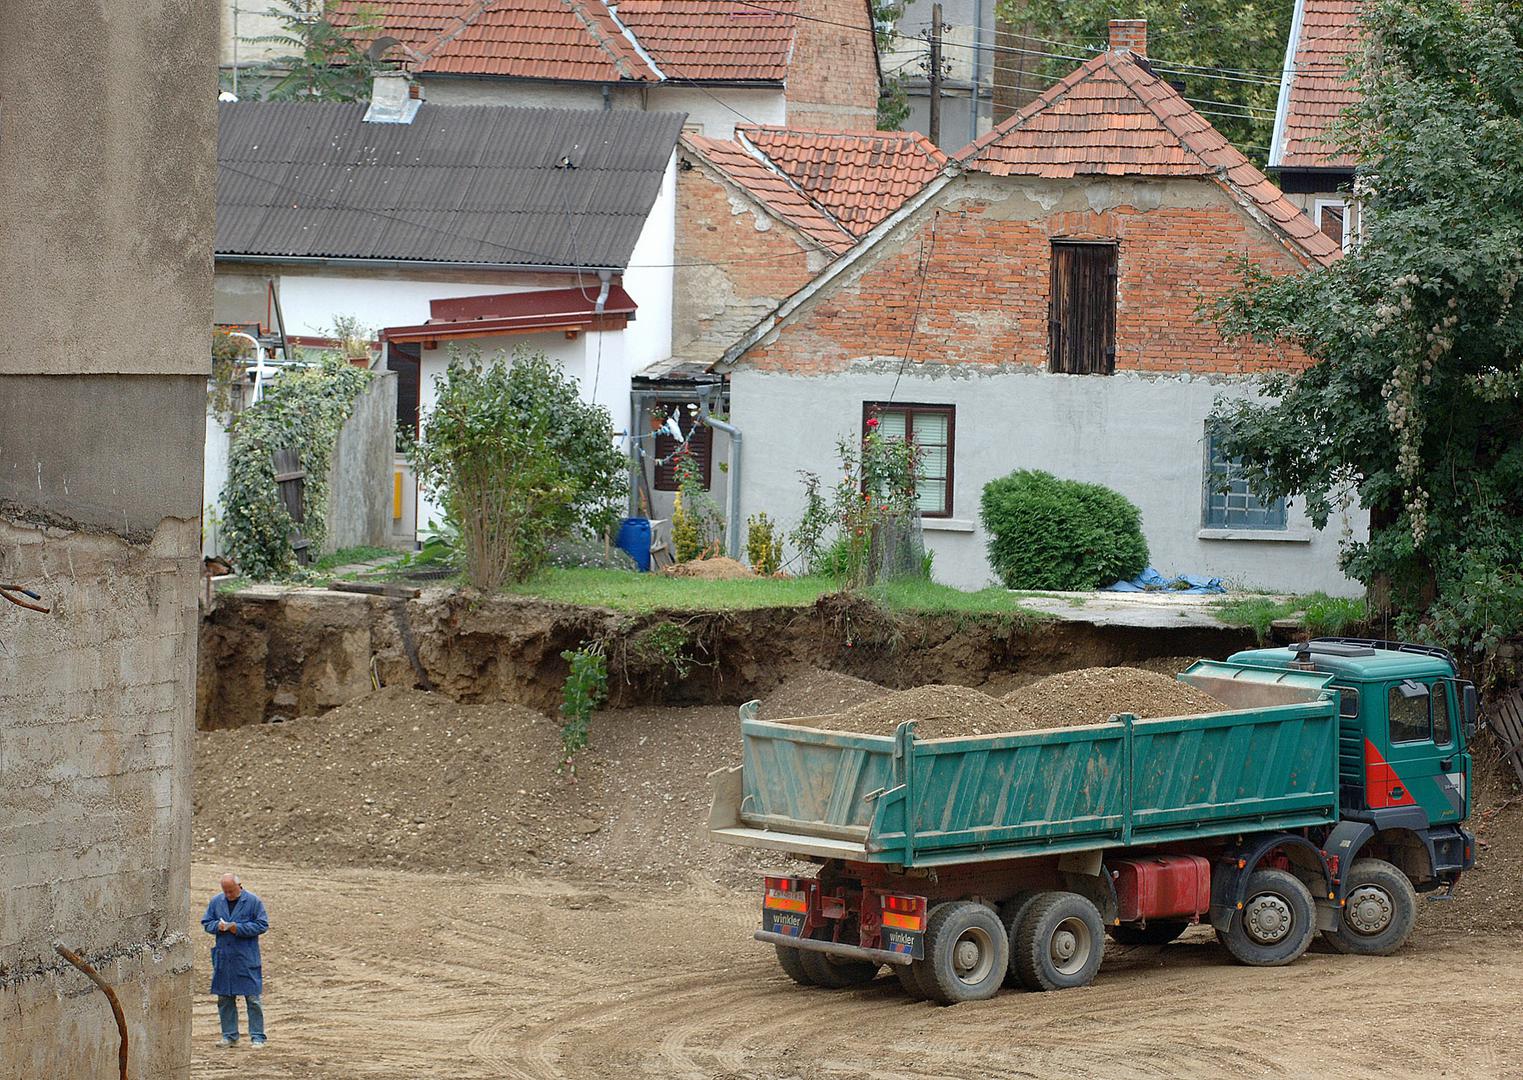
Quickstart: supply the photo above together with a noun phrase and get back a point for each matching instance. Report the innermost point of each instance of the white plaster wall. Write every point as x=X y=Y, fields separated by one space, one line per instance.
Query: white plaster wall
x=213 y=480
x=310 y=301
x=715 y=112
x=1141 y=435
x=648 y=279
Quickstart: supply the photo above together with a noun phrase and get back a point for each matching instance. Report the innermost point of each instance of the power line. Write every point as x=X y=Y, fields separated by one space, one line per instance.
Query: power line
x=925 y=268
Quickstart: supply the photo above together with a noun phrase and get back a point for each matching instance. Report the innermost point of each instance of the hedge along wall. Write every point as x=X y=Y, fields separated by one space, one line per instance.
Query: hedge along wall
x=303 y=409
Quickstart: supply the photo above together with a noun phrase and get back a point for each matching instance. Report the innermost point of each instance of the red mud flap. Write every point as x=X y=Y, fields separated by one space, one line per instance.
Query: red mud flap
x=834 y=948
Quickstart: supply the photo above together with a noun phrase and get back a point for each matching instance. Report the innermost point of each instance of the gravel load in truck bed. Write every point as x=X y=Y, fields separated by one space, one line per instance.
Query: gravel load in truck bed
x=1070 y=699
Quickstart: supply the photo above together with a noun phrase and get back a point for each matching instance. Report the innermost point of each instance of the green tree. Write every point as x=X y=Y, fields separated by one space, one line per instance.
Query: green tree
x=1413 y=403
x=1247 y=39
x=326 y=61
x=517 y=459
x=893 y=98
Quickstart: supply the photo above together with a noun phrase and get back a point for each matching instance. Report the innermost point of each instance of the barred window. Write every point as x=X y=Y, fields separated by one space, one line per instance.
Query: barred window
x=1228 y=502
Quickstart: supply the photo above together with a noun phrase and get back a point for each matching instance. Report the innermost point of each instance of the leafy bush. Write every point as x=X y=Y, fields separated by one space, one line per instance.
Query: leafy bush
x=302 y=409
x=697 y=520
x=517 y=459
x=585 y=689
x=1046 y=533
x=764 y=548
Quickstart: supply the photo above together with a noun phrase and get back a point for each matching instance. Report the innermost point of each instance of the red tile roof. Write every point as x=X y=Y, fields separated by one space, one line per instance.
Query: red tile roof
x=714 y=39
x=1114 y=117
x=1318 y=88
x=772 y=190
x=586 y=40
x=860 y=178
x=531 y=39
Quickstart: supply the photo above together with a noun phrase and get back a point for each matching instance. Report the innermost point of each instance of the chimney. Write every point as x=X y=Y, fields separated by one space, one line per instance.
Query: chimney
x=1129 y=34
x=394 y=99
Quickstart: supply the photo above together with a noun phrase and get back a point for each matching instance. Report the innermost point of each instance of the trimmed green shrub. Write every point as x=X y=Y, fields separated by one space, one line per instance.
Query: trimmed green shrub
x=1046 y=533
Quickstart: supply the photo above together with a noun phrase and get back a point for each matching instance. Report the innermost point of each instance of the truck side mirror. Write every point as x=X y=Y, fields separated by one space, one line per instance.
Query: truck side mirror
x=1470 y=709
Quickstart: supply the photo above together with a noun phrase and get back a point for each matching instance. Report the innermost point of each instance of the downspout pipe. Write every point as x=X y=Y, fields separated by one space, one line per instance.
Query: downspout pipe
x=606 y=277
x=732 y=532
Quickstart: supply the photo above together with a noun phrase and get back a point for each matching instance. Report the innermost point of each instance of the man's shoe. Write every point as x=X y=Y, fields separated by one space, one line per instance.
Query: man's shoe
x=257 y=1044
x=225 y=1041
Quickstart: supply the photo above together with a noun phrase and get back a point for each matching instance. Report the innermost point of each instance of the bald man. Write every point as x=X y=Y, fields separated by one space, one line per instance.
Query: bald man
x=237 y=918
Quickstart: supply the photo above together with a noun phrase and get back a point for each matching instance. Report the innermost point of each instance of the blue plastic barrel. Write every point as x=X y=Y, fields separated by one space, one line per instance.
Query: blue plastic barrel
x=634 y=537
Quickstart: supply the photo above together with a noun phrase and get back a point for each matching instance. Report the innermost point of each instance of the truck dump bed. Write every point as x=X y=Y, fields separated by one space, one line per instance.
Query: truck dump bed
x=1270 y=763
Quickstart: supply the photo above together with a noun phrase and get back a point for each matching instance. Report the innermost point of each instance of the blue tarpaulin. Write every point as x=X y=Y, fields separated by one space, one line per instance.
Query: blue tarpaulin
x=1151 y=580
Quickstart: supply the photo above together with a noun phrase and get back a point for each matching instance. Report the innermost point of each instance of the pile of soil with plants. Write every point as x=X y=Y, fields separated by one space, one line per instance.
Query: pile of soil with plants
x=815 y=692
x=1094 y=695
x=720 y=568
x=1069 y=699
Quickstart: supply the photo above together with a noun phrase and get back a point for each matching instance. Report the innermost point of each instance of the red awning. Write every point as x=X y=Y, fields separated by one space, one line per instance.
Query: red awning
x=519 y=313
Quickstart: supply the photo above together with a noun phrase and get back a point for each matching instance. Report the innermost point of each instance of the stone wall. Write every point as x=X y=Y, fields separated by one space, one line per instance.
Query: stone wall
x=107 y=162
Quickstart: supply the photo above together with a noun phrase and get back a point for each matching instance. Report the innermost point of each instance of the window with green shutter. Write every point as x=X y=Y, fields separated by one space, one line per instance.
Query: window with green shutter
x=933 y=429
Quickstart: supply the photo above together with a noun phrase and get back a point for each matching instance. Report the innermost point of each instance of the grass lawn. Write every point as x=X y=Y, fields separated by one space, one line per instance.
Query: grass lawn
x=625 y=591
x=350 y=555
x=1330 y=615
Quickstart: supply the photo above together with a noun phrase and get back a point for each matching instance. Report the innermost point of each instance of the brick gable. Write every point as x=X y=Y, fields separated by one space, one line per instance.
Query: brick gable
x=971 y=271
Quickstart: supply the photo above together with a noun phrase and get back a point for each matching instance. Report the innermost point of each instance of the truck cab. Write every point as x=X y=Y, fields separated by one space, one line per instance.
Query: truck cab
x=1405 y=719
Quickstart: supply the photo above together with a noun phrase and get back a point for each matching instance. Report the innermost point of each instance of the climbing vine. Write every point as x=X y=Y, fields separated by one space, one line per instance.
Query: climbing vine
x=302 y=410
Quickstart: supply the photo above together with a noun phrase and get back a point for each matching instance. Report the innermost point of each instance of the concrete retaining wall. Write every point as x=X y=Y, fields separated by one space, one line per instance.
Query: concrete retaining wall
x=359 y=475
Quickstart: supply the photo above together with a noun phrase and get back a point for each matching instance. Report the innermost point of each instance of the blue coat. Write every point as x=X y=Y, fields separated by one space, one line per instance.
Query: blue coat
x=236 y=969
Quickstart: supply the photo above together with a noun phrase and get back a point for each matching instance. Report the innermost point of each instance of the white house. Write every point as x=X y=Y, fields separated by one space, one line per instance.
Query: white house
x=437 y=225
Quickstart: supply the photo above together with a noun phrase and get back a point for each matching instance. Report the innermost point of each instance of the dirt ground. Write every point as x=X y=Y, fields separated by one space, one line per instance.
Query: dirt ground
x=374 y=973
x=444 y=903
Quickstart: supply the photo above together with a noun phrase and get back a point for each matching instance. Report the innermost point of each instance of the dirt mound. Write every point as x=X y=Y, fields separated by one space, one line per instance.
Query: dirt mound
x=1094 y=695
x=408 y=779
x=1070 y=699
x=813 y=692
x=717 y=569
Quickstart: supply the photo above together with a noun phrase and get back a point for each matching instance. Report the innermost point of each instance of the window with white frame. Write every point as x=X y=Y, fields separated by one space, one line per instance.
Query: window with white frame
x=1228 y=504
x=1336 y=219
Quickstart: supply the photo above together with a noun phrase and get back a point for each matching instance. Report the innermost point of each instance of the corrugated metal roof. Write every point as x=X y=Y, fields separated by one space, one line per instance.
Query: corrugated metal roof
x=464 y=183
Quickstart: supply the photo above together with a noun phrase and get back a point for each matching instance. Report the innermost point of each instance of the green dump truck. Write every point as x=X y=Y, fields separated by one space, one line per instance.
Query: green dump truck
x=1329 y=795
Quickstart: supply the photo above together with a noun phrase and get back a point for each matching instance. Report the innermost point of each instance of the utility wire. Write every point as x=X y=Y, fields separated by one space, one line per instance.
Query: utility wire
x=925 y=268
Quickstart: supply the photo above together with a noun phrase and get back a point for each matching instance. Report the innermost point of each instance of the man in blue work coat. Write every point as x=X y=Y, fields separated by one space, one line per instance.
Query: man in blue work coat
x=237 y=917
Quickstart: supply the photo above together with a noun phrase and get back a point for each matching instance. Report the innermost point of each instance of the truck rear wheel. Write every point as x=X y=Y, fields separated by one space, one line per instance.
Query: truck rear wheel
x=791 y=960
x=1276 y=923
x=1059 y=943
x=967 y=952
x=909 y=980
x=834 y=972
x=1012 y=911
x=1156 y=932
x=1379 y=910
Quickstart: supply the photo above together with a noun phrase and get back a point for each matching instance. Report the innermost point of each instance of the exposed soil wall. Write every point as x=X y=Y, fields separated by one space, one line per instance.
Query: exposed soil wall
x=303 y=652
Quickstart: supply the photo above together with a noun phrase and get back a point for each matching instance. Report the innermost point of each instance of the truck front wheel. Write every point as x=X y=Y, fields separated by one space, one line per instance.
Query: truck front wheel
x=1276 y=922
x=967 y=953
x=1379 y=910
x=1059 y=943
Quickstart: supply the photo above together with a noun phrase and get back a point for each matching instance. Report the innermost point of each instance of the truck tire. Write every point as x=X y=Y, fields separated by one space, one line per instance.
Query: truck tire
x=1156 y=932
x=836 y=973
x=1276 y=923
x=1012 y=911
x=1060 y=942
x=1379 y=912
x=909 y=980
x=967 y=952
x=791 y=960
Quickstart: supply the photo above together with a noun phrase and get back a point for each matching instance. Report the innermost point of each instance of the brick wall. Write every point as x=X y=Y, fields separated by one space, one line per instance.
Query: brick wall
x=833 y=75
x=735 y=264
x=974 y=277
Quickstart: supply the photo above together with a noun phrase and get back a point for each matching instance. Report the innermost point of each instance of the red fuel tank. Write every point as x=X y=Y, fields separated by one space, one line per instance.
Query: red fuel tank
x=1161 y=886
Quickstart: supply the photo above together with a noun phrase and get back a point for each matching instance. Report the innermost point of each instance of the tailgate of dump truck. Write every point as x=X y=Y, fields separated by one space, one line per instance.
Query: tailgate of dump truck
x=1268 y=763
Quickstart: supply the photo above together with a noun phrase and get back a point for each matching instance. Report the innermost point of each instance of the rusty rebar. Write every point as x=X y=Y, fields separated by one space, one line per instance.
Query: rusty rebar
x=105 y=988
x=6 y=590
